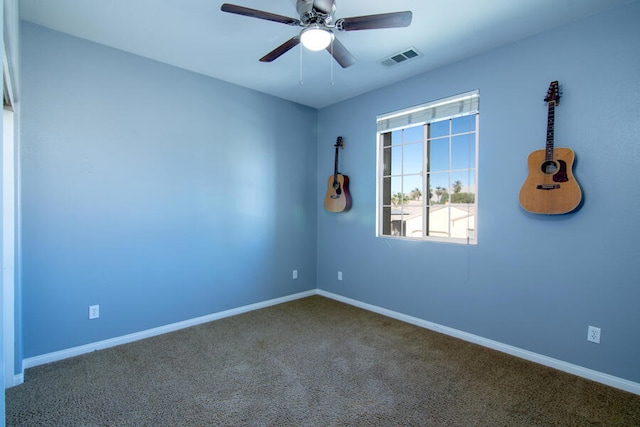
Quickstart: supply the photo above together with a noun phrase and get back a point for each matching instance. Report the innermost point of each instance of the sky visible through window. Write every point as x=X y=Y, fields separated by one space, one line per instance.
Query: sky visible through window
x=452 y=155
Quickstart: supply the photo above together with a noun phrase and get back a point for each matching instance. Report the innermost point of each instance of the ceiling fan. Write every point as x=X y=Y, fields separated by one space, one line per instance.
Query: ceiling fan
x=316 y=18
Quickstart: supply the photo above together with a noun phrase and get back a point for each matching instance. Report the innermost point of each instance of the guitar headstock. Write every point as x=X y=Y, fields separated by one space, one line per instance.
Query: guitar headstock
x=553 y=94
x=339 y=142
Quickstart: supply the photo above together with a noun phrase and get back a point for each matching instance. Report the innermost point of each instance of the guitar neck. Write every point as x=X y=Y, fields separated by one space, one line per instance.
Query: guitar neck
x=550 y=124
x=339 y=144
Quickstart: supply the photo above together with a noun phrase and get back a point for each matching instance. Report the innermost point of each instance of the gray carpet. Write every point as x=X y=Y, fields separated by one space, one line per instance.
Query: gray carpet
x=310 y=362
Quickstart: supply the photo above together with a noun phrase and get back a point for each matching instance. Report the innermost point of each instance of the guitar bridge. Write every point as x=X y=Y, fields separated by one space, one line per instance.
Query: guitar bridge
x=547 y=186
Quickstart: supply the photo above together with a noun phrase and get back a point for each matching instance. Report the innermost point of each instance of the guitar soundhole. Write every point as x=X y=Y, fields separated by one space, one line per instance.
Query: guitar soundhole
x=549 y=167
x=336 y=187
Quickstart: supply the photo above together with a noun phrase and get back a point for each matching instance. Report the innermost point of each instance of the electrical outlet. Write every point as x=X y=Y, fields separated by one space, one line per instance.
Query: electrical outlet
x=295 y=274
x=339 y=275
x=94 y=311
x=593 y=334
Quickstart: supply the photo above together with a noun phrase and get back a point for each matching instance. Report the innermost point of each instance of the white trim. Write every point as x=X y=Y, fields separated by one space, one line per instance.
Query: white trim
x=8 y=243
x=7 y=84
x=112 y=342
x=570 y=368
x=600 y=377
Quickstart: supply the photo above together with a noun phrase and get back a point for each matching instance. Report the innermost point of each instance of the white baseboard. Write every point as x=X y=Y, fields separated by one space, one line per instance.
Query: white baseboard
x=579 y=371
x=112 y=342
x=18 y=379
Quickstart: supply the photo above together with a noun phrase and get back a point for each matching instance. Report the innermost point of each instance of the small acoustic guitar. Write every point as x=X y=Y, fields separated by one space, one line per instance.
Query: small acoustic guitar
x=550 y=187
x=338 y=198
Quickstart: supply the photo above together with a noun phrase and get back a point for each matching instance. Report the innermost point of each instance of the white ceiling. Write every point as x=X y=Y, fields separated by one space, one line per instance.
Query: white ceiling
x=197 y=36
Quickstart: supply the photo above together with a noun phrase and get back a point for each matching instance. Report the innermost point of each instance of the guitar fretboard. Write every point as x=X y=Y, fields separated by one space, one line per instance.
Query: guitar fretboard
x=335 y=165
x=550 y=122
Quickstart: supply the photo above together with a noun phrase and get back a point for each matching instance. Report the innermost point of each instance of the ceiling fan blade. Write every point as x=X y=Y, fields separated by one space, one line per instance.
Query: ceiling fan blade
x=374 y=22
x=341 y=54
x=281 y=50
x=254 y=13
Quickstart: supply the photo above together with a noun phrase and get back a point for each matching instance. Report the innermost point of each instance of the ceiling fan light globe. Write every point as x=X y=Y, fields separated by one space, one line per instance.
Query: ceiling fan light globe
x=316 y=38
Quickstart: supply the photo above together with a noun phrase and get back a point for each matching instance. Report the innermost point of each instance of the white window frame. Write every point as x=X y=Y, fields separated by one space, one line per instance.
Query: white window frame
x=465 y=104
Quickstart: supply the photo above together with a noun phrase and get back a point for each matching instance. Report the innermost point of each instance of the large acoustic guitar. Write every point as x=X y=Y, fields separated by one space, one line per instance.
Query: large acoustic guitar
x=550 y=187
x=338 y=198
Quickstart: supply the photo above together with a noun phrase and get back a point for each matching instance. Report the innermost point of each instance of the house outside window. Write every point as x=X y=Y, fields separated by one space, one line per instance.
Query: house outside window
x=428 y=171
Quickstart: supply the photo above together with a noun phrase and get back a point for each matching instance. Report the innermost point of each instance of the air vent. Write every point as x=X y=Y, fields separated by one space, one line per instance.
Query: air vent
x=400 y=57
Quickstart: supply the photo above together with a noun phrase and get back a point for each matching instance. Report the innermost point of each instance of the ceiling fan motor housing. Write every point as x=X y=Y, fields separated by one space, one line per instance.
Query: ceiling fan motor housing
x=316 y=11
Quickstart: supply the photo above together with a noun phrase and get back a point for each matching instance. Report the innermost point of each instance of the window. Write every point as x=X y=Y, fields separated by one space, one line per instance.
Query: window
x=428 y=171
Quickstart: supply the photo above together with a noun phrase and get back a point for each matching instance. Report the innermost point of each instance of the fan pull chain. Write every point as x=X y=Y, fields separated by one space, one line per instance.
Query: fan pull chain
x=300 y=82
x=331 y=63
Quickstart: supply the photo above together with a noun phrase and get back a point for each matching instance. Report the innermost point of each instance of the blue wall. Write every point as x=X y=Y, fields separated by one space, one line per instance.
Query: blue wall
x=533 y=282
x=163 y=195
x=159 y=194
